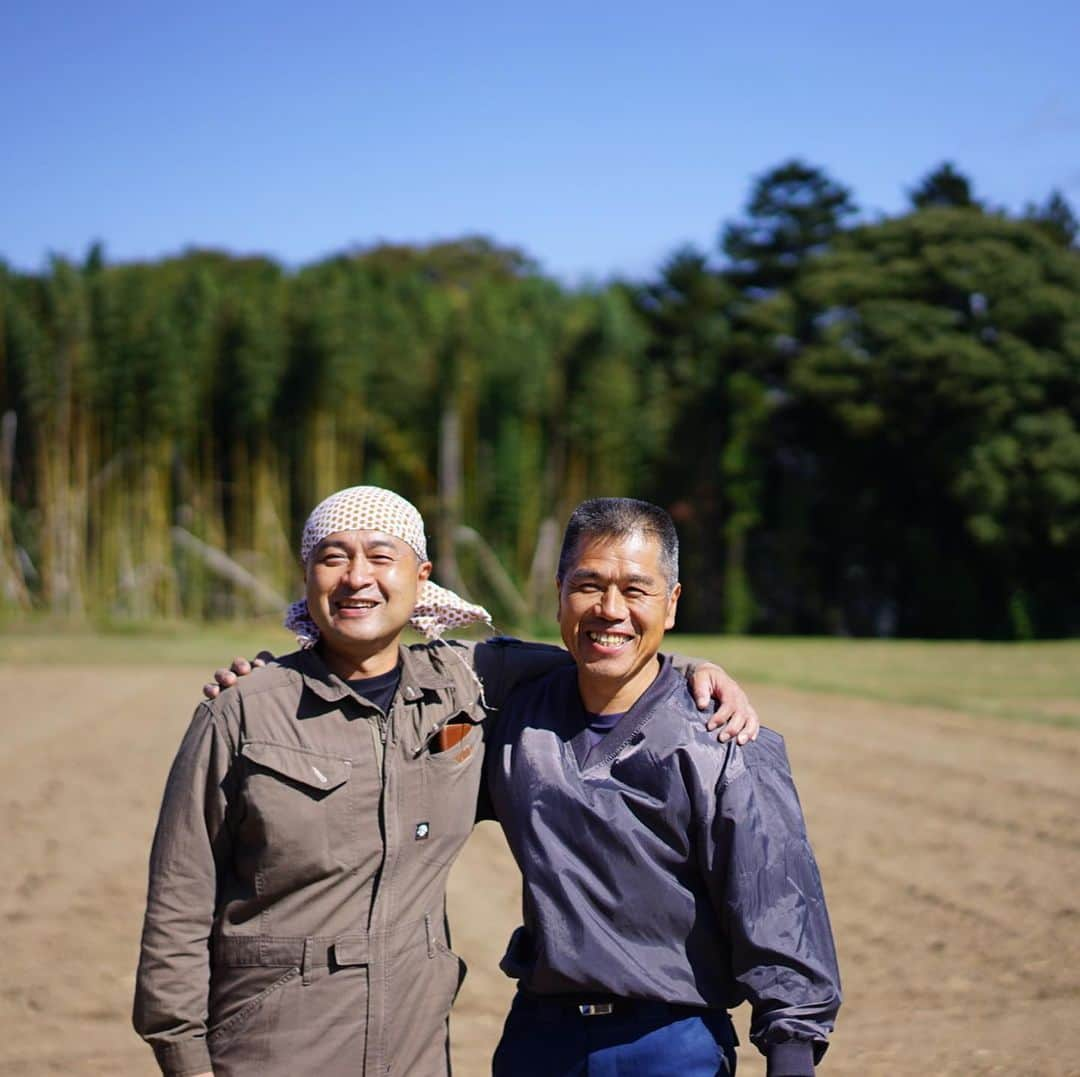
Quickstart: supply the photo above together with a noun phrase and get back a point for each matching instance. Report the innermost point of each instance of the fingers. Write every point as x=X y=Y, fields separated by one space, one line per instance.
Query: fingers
x=723 y=714
x=743 y=726
x=713 y=688
x=734 y=716
x=241 y=667
x=753 y=724
x=707 y=684
x=225 y=678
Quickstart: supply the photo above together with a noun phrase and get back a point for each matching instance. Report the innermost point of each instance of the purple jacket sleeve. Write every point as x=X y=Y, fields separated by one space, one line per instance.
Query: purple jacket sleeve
x=502 y=663
x=767 y=892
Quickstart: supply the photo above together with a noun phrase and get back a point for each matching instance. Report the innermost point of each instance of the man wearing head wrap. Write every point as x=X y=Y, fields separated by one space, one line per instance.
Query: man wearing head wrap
x=295 y=916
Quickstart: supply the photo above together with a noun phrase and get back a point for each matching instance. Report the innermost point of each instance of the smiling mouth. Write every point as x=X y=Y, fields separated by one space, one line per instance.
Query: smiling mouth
x=357 y=605
x=608 y=639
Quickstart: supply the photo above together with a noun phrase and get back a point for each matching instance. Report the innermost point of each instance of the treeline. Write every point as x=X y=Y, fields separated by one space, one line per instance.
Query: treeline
x=861 y=426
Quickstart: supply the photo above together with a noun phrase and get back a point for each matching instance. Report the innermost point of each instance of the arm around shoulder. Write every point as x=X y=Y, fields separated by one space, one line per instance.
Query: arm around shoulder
x=716 y=691
x=503 y=663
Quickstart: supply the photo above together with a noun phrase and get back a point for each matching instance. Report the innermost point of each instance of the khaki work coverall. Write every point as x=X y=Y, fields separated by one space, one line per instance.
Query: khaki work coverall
x=295 y=918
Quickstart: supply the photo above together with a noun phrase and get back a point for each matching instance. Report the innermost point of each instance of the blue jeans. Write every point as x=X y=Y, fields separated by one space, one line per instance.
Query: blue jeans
x=551 y=1038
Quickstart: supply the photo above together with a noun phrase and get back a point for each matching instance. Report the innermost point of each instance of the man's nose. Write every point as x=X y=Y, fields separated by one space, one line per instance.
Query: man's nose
x=358 y=574
x=612 y=606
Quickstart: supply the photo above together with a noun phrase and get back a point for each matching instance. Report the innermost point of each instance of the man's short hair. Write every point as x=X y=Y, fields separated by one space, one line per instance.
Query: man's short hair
x=616 y=518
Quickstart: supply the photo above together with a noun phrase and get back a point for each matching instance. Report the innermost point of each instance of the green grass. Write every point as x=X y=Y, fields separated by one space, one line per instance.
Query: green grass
x=1037 y=682
x=38 y=642
x=1028 y=681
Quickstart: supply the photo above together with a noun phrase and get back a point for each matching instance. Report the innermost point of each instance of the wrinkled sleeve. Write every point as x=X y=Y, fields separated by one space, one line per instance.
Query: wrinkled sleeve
x=767 y=891
x=190 y=848
x=686 y=665
x=503 y=663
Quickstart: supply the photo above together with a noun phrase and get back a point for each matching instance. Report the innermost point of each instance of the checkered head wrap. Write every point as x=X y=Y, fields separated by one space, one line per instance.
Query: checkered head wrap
x=371 y=508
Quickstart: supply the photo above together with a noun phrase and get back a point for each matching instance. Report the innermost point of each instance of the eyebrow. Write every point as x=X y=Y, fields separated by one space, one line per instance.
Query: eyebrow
x=585 y=575
x=381 y=544
x=347 y=545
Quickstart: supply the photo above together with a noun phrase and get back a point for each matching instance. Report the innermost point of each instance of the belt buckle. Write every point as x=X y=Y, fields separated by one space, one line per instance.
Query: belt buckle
x=595 y=1009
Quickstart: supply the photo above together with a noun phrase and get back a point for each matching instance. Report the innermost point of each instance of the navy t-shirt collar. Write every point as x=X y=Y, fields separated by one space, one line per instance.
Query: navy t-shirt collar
x=378 y=690
x=590 y=750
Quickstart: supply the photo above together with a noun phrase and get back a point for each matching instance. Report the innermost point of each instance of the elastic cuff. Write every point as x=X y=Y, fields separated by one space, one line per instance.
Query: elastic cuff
x=795 y=1058
x=183 y=1058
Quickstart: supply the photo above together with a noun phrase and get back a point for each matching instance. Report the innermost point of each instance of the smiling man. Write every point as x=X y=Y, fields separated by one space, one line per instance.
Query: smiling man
x=295 y=919
x=665 y=880
x=361 y=588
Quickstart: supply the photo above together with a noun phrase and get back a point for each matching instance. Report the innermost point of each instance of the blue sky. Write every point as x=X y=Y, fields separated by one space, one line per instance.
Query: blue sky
x=597 y=136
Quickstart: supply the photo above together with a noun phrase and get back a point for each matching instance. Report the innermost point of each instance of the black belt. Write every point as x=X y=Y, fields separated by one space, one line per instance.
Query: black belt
x=606 y=1005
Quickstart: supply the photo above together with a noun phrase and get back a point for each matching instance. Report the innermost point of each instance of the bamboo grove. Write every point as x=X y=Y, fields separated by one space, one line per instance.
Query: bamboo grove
x=860 y=426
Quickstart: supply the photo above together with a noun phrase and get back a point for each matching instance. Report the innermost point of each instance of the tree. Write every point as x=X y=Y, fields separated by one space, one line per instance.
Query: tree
x=795 y=210
x=717 y=414
x=940 y=398
x=944 y=187
x=1056 y=218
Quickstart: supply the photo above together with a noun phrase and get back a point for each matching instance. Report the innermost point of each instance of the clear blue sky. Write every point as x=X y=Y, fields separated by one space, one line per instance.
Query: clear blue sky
x=597 y=135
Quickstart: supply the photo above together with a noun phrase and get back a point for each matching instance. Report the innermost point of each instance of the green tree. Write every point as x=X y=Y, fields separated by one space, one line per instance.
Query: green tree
x=1056 y=218
x=794 y=211
x=940 y=398
x=717 y=412
x=944 y=186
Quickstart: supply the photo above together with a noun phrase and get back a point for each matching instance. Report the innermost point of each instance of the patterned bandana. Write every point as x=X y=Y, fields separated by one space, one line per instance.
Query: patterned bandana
x=371 y=508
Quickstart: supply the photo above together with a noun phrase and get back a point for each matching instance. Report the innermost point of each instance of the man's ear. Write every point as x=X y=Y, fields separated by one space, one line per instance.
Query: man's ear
x=558 y=598
x=423 y=571
x=673 y=602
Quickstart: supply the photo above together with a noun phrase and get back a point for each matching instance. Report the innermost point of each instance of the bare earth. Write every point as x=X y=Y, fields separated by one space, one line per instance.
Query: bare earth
x=950 y=849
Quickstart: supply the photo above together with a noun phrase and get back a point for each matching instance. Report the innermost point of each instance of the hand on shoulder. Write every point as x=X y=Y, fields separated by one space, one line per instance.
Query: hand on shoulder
x=226 y=678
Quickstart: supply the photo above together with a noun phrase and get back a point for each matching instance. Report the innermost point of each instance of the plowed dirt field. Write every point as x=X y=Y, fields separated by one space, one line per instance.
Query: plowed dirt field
x=949 y=846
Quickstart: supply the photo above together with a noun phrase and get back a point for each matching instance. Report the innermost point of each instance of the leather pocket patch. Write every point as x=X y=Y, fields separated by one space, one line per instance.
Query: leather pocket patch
x=450 y=736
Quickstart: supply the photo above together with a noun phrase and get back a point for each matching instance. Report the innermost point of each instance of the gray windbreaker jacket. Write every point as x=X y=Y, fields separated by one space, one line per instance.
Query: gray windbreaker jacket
x=664 y=866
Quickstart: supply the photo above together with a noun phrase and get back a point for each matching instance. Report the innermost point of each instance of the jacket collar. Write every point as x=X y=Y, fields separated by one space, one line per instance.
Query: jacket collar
x=666 y=681
x=422 y=668
x=418 y=672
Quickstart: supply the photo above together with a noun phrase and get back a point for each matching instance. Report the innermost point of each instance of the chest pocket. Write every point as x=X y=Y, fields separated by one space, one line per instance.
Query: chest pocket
x=297 y=823
x=452 y=765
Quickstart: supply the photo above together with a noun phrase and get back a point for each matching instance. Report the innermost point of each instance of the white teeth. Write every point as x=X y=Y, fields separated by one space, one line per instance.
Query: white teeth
x=606 y=639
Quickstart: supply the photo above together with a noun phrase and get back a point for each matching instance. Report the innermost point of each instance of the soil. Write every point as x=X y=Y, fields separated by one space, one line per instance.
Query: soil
x=949 y=846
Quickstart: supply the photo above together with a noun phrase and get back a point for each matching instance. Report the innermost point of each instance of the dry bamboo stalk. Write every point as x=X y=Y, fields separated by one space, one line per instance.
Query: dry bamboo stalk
x=497 y=576
x=267 y=599
x=13 y=589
